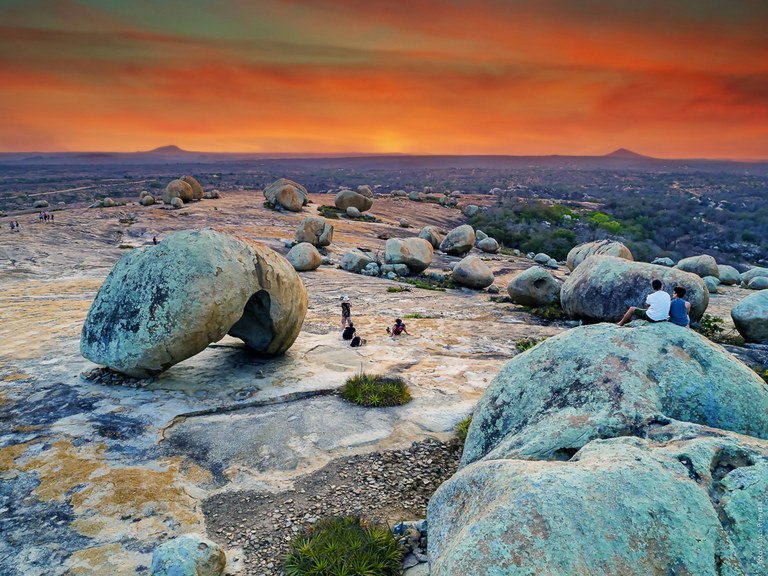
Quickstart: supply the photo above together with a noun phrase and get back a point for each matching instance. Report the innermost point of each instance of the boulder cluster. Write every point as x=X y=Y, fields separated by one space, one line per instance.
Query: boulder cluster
x=284 y=194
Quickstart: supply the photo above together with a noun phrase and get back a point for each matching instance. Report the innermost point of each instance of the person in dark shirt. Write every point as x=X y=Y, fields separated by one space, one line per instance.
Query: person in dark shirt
x=397 y=328
x=679 y=309
x=346 y=311
x=349 y=331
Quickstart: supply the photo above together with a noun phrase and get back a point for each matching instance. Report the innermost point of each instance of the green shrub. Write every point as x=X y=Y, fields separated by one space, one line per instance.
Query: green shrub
x=126 y=246
x=763 y=374
x=525 y=344
x=330 y=212
x=398 y=289
x=375 y=390
x=546 y=312
x=462 y=428
x=710 y=326
x=428 y=283
x=417 y=315
x=349 y=546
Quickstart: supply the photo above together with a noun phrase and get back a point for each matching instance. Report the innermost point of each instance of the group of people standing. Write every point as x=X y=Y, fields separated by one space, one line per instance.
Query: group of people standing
x=349 y=330
x=14 y=225
x=661 y=307
x=44 y=217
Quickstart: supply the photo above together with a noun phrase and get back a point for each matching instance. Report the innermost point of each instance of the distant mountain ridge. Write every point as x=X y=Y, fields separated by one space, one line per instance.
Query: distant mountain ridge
x=628 y=155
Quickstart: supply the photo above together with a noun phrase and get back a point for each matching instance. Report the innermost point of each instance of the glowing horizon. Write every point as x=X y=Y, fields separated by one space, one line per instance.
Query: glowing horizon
x=430 y=77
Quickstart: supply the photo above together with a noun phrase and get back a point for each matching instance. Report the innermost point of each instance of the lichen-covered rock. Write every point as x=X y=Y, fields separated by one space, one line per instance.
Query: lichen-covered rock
x=750 y=316
x=315 y=230
x=472 y=273
x=162 y=304
x=624 y=506
x=758 y=283
x=541 y=258
x=489 y=245
x=355 y=261
x=601 y=288
x=346 y=198
x=178 y=189
x=663 y=262
x=729 y=275
x=304 y=257
x=458 y=241
x=188 y=555
x=579 y=253
x=471 y=210
x=197 y=189
x=711 y=283
x=534 y=287
x=286 y=194
x=753 y=273
x=603 y=381
x=433 y=235
x=416 y=253
x=41 y=204
x=147 y=200
x=414 y=196
x=703 y=265
x=365 y=190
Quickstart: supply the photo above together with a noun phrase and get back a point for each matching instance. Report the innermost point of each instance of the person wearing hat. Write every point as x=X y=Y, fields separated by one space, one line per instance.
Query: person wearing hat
x=349 y=331
x=346 y=311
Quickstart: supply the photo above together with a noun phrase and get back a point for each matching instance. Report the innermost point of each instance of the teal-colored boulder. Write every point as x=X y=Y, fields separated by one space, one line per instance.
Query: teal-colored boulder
x=603 y=381
x=163 y=304
x=703 y=265
x=534 y=287
x=750 y=316
x=729 y=275
x=753 y=273
x=188 y=555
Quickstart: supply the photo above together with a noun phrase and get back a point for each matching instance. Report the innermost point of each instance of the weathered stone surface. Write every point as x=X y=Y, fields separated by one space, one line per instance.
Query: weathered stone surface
x=480 y=235
x=433 y=235
x=704 y=265
x=472 y=273
x=601 y=247
x=541 y=258
x=663 y=262
x=471 y=210
x=534 y=287
x=315 y=230
x=286 y=194
x=711 y=283
x=162 y=304
x=346 y=198
x=459 y=241
x=188 y=555
x=365 y=190
x=41 y=204
x=108 y=203
x=729 y=275
x=602 y=288
x=147 y=200
x=404 y=223
x=750 y=316
x=416 y=253
x=175 y=202
x=353 y=212
x=415 y=196
x=753 y=273
x=758 y=283
x=178 y=189
x=355 y=261
x=603 y=381
x=489 y=245
x=304 y=257
x=197 y=189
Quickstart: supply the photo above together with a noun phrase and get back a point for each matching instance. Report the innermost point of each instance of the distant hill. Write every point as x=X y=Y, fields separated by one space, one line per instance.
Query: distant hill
x=171 y=150
x=625 y=154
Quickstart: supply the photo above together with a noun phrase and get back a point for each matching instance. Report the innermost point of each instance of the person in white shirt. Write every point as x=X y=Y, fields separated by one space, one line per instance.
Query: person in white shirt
x=656 y=306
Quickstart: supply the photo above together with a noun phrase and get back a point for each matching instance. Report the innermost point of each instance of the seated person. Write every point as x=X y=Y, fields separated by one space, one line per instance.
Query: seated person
x=397 y=328
x=349 y=331
x=656 y=306
x=679 y=309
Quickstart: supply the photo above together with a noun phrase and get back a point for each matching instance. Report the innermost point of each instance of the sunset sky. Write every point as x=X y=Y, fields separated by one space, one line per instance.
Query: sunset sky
x=671 y=78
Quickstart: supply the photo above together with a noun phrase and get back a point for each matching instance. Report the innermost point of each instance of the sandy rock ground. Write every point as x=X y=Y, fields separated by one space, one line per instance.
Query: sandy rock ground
x=93 y=477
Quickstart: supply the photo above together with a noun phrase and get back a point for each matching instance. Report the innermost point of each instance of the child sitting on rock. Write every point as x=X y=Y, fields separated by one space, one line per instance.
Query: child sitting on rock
x=397 y=328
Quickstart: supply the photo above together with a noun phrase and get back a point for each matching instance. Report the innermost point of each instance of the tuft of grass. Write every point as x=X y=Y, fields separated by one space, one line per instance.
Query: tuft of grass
x=126 y=246
x=546 y=312
x=375 y=390
x=417 y=315
x=348 y=545
x=427 y=283
x=462 y=429
x=526 y=344
x=398 y=289
x=330 y=212
x=713 y=327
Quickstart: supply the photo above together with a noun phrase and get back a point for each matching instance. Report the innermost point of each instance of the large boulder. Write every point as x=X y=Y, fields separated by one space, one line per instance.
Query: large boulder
x=188 y=555
x=197 y=189
x=758 y=283
x=304 y=257
x=704 y=265
x=625 y=506
x=365 y=190
x=315 y=230
x=471 y=210
x=355 y=261
x=756 y=272
x=534 y=287
x=162 y=304
x=472 y=273
x=147 y=200
x=459 y=241
x=604 y=381
x=178 y=189
x=489 y=245
x=711 y=283
x=433 y=235
x=416 y=253
x=599 y=248
x=346 y=198
x=751 y=317
x=601 y=288
x=108 y=203
x=41 y=204
x=286 y=194
x=729 y=275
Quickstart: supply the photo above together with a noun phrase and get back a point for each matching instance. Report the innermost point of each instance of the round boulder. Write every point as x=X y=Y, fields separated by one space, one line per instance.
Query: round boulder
x=415 y=196
x=178 y=189
x=416 y=253
x=365 y=190
x=147 y=200
x=488 y=244
x=753 y=273
x=188 y=555
x=663 y=262
x=601 y=288
x=163 y=304
x=541 y=258
x=175 y=202
x=704 y=265
x=346 y=198
x=286 y=194
x=353 y=212
x=758 y=283
x=471 y=210
x=751 y=317
x=108 y=203
x=534 y=287
x=729 y=275
x=711 y=283
x=459 y=241
x=355 y=261
x=578 y=254
x=315 y=230
x=472 y=273
x=433 y=235
x=197 y=190
x=41 y=204
x=304 y=257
